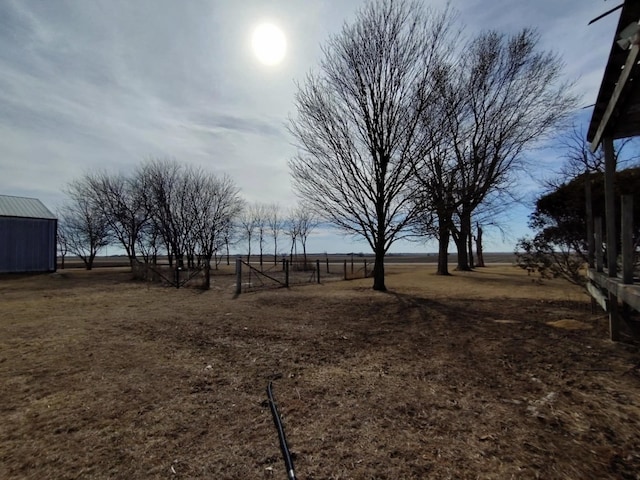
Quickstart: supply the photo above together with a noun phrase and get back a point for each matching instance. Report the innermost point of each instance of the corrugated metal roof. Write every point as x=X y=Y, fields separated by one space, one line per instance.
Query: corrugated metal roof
x=23 y=207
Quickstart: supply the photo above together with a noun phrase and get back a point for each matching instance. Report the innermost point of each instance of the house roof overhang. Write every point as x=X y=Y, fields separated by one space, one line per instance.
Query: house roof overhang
x=616 y=113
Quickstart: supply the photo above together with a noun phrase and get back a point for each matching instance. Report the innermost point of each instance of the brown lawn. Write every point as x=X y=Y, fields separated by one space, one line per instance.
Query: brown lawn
x=478 y=375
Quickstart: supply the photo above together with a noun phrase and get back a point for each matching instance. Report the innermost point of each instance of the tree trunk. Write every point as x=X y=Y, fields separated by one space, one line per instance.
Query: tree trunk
x=443 y=246
x=378 y=269
x=463 y=259
x=470 y=245
x=89 y=261
x=479 y=246
x=461 y=243
x=275 y=251
x=207 y=274
x=304 y=255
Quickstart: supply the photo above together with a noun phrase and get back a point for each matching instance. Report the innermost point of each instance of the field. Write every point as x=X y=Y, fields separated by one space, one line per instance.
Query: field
x=488 y=374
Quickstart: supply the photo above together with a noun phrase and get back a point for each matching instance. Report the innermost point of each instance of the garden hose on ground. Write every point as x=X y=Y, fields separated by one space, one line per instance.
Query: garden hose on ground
x=286 y=454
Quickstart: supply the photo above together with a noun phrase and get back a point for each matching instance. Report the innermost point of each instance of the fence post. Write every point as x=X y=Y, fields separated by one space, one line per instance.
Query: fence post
x=352 y=264
x=286 y=273
x=365 y=268
x=318 y=270
x=598 y=238
x=327 y=260
x=345 y=269
x=238 y=275
x=610 y=206
x=627 y=239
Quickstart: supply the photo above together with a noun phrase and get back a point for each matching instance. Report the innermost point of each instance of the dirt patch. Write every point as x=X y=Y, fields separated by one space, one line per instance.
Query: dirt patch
x=459 y=377
x=569 y=324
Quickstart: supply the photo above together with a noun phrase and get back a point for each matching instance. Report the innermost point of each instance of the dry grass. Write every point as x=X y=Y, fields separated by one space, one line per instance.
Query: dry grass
x=478 y=375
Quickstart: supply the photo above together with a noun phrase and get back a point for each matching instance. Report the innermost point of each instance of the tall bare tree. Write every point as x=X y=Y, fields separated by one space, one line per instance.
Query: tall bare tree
x=499 y=99
x=302 y=223
x=292 y=230
x=358 y=122
x=214 y=204
x=83 y=225
x=121 y=201
x=276 y=224
x=247 y=227
x=260 y=214
x=162 y=184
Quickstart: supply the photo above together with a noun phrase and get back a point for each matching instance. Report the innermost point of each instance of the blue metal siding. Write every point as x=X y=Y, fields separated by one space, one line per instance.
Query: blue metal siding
x=27 y=245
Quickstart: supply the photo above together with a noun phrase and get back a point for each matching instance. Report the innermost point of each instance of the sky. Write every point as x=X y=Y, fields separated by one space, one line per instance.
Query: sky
x=106 y=84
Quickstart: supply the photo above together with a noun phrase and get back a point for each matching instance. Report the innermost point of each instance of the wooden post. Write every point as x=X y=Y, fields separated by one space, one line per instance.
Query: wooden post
x=238 y=276
x=589 y=211
x=286 y=273
x=598 y=241
x=351 y=263
x=610 y=206
x=318 y=270
x=627 y=239
x=345 y=269
x=327 y=260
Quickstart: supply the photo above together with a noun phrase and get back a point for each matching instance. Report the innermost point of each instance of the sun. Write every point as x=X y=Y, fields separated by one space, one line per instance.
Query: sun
x=269 y=44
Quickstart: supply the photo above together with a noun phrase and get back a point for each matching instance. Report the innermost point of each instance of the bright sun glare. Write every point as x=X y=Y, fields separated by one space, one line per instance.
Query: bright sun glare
x=269 y=44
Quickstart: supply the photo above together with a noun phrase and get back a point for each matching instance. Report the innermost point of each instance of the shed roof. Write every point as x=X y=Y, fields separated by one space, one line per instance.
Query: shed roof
x=23 y=207
x=617 y=110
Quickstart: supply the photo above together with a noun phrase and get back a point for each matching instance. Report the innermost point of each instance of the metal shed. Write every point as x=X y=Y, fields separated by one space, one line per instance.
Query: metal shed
x=27 y=236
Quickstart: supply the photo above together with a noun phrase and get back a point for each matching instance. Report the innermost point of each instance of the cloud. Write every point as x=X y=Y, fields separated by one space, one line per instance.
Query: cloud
x=106 y=84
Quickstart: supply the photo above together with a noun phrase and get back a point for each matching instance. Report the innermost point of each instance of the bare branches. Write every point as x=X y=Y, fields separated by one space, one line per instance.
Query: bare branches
x=276 y=225
x=358 y=123
x=190 y=209
x=164 y=205
x=84 y=227
x=500 y=99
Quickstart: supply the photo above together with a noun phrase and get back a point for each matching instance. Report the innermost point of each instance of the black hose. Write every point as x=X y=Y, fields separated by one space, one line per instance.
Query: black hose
x=286 y=454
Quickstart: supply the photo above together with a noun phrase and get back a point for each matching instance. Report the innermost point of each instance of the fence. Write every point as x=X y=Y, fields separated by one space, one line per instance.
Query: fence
x=169 y=274
x=252 y=276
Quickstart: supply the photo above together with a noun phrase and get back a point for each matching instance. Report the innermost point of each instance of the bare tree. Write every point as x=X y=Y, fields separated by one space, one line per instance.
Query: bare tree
x=358 y=128
x=276 y=225
x=214 y=204
x=292 y=230
x=229 y=231
x=303 y=222
x=83 y=225
x=247 y=225
x=121 y=201
x=499 y=99
x=434 y=181
x=261 y=216
x=160 y=182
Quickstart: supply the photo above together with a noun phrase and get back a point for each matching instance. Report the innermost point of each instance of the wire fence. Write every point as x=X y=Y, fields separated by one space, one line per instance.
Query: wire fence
x=285 y=273
x=174 y=275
